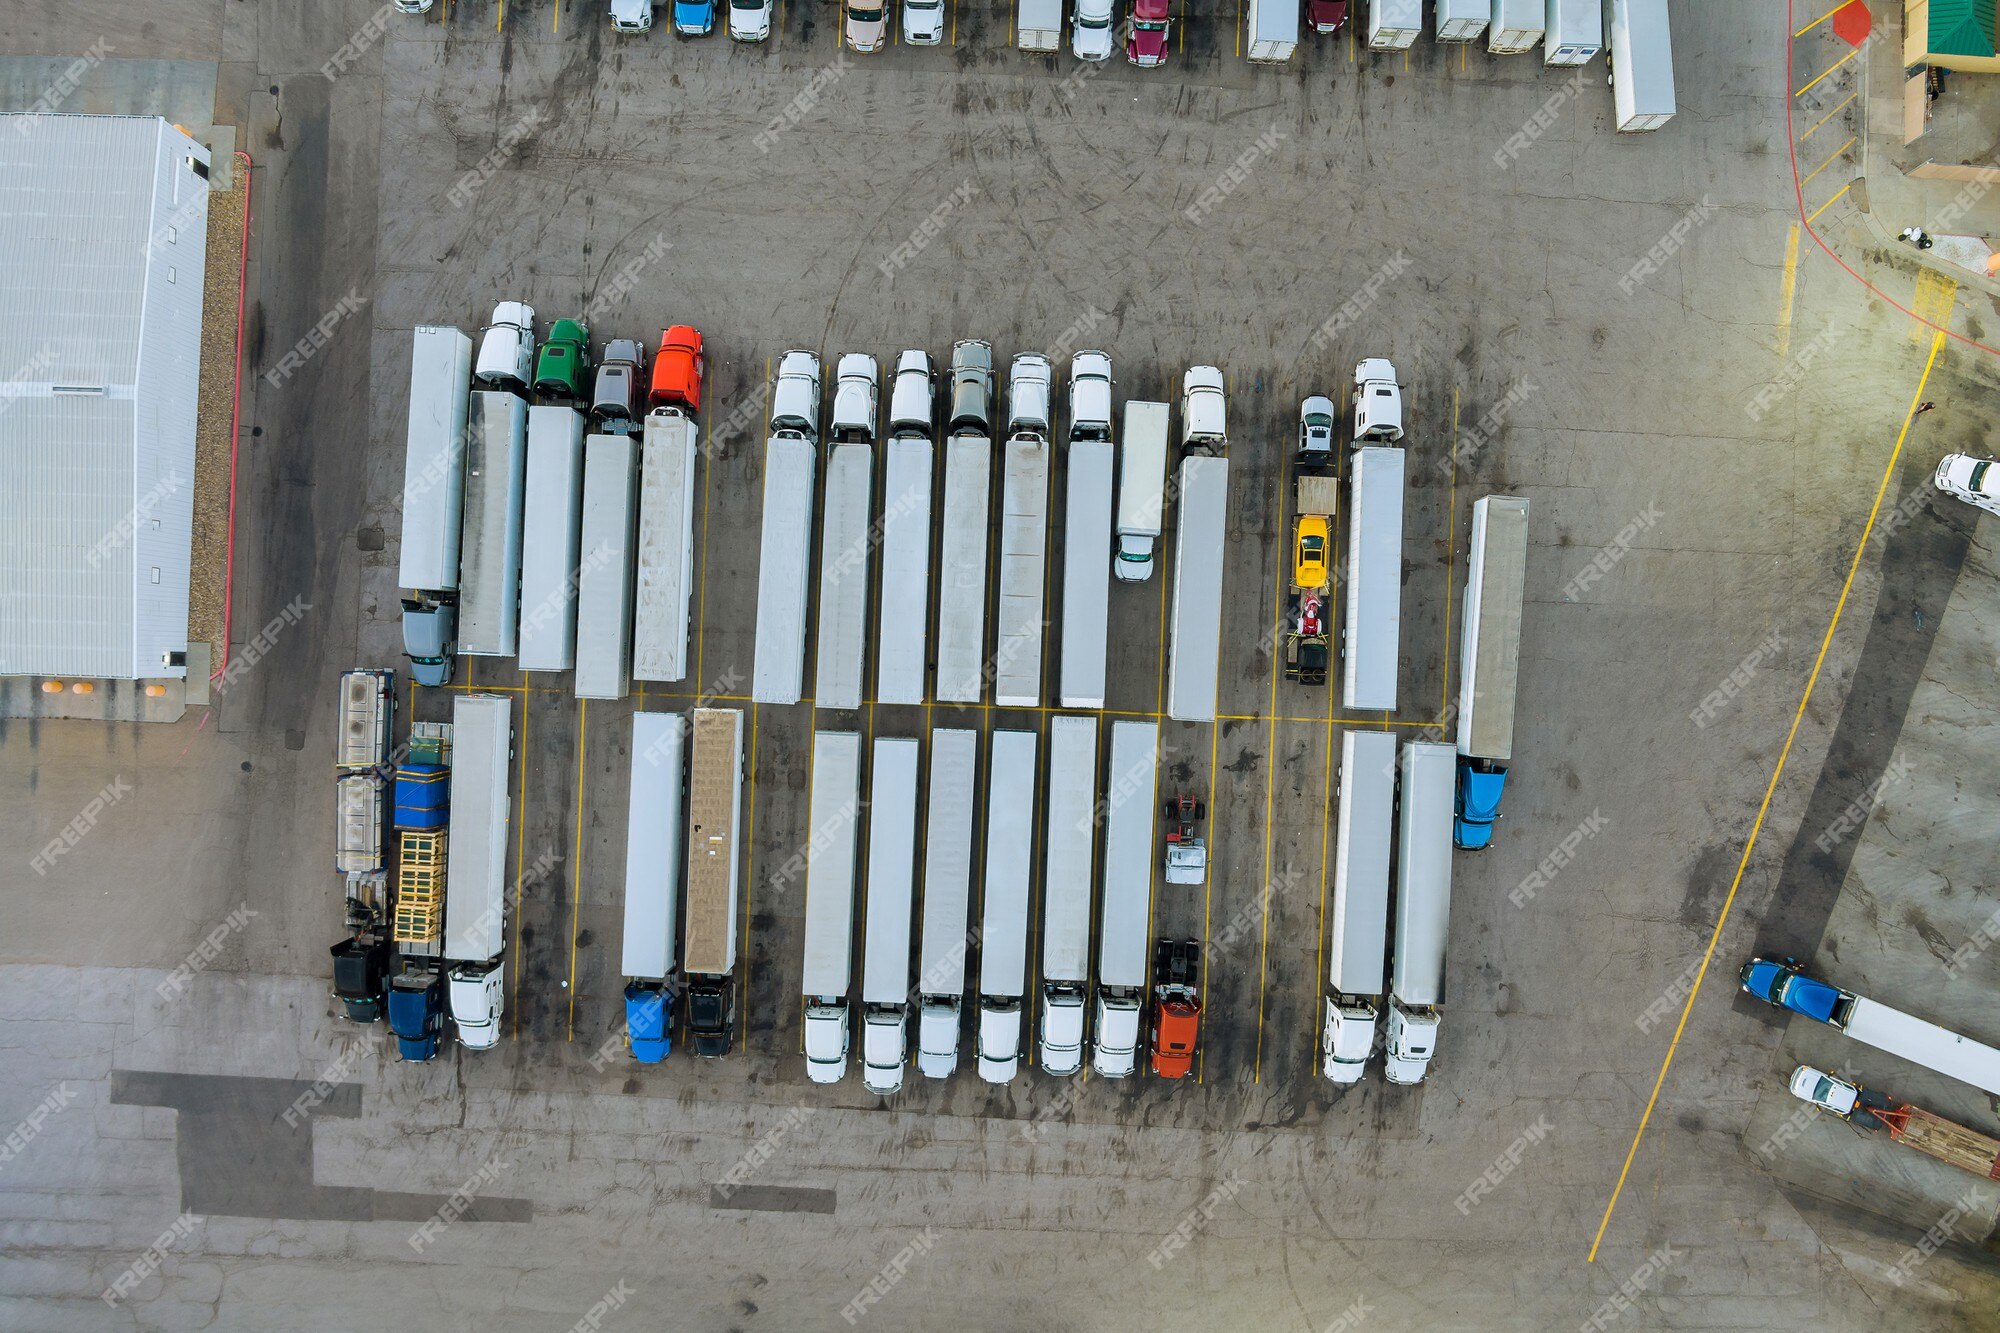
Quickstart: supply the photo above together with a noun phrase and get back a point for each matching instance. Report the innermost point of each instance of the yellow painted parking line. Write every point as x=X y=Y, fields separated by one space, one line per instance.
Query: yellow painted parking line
x=555 y=24
x=1208 y=883
x=1814 y=215
x=708 y=471
x=1450 y=554
x=1239 y=29
x=1788 y=290
x=1933 y=303
x=1771 y=787
x=1285 y=555
x=520 y=814
x=1821 y=19
x=1831 y=114
x=1824 y=165
x=1828 y=70
x=750 y=856
x=954 y=22
x=576 y=866
x=500 y=16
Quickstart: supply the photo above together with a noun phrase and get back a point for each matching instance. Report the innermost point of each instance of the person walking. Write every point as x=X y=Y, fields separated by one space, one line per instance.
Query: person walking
x=1922 y=408
x=1918 y=237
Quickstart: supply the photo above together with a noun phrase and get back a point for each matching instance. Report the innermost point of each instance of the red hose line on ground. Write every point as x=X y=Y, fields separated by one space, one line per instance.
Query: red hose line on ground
x=235 y=418
x=1799 y=192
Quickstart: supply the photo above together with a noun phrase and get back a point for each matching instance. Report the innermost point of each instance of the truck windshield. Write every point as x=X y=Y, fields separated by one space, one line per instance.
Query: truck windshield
x=1085 y=21
x=860 y=15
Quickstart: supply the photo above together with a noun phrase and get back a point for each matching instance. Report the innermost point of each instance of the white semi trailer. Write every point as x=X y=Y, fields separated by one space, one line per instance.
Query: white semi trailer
x=829 y=950
x=885 y=959
x=1003 y=918
x=550 y=528
x=1423 y=909
x=604 y=571
x=1066 y=890
x=1641 y=53
x=902 y=619
x=434 y=499
x=665 y=576
x=1122 y=941
x=1024 y=533
x=1086 y=608
x=961 y=633
x=1372 y=638
x=654 y=861
x=1142 y=486
x=1363 y=837
x=845 y=548
x=1195 y=643
x=947 y=892
x=489 y=579
x=784 y=570
x=475 y=900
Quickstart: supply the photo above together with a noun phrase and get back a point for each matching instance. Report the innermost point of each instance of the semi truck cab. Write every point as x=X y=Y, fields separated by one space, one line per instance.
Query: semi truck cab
x=937 y=1036
x=477 y=997
x=1481 y=783
x=416 y=1013
x=826 y=1042
x=999 y=1040
x=882 y=1048
x=1378 y=403
x=649 y=1021
x=1348 y=1039
x=1116 y=1053
x=1062 y=1028
x=359 y=967
x=711 y=1010
x=430 y=639
x=1412 y=1039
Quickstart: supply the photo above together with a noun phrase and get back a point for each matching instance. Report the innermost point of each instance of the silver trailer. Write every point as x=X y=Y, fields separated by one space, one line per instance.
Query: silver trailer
x=1360 y=915
x=550 y=528
x=845 y=547
x=1195 y=632
x=1393 y=25
x=1066 y=890
x=961 y=632
x=1003 y=919
x=1024 y=534
x=1490 y=645
x=1462 y=20
x=665 y=576
x=1516 y=26
x=434 y=458
x=947 y=894
x=885 y=948
x=1423 y=908
x=489 y=583
x=903 y=617
x=784 y=571
x=1122 y=926
x=1575 y=32
x=828 y=972
x=604 y=568
x=1086 y=605
x=654 y=855
x=1372 y=637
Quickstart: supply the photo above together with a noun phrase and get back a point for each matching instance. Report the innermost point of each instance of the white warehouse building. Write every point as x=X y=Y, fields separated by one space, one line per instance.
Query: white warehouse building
x=103 y=229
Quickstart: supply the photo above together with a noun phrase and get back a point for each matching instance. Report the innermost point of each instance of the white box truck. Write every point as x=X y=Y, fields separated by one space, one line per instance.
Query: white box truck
x=1423 y=909
x=1462 y=20
x=1489 y=663
x=844 y=550
x=1038 y=25
x=1393 y=25
x=665 y=582
x=715 y=855
x=1142 y=486
x=475 y=897
x=1024 y=533
x=903 y=616
x=434 y=498
x=1194 y=641
x=550 y=527
x=604 y=567
x=947 y=892
x=1274 y=31
x=1516 y=27
x=961 y=651
x=784 y=570
x=1003 y=914
x=829 y=951
x=1086 y=606
x=489 y=577
x=654 y=860
x=1641 y=54
x=1575 y=32
x=1122 y=941
x=885 y=947
x=1360 y=917
x=1372 y=637
x=1066 y=890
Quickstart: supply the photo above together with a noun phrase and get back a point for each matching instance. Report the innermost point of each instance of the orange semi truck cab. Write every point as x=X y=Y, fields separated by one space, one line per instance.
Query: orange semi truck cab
x=677 y=370
x=1176 y=1025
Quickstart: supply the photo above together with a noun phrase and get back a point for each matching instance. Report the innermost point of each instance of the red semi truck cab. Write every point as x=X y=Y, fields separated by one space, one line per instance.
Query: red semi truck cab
x=1147 y=46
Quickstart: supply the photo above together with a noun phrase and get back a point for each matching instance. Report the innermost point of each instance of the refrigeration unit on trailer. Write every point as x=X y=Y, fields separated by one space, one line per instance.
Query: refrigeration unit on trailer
x=1194 y=641
x=903 y=616
x=1423 y=910
x=1066 y=890
x=961 y=641
x=1516 y=26
x=947 y=891
x=1086 y=606
x=1393 y=25
x=434 y=498
x=1122 y=939
x=551 y=524
x=829 y=950
x=1360 y=917
x=1003 y=915
x=1489 y=663
x=1024 y=533
x=885 y=948
x=714 y=850
x=1640 y=44
x=1575 y=32
x=784 y=570
x=1142 y=488
x=367 y=725
x=1372 y=638
x=1462 y=20
x=654 y=860
x=475 y=897
x=1274 y=31
x=665 y=577
x=489 y=583
x=604 y=567
x=844 y=551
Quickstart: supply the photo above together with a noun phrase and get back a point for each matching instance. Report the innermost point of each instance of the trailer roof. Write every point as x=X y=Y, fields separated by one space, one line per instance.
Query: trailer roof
x=1128 y=853
x=1086 y=584
x=948 y=861
x=715 y=790
x=665 y=567
x=1423 y=872
x=1373 y=645
x=1024 y=534
x=845 y=548
x=1364 y=834
x=1010 y=842
x=1072 y=847
x=835 y=819
x=1490 y=643
x=784 y=567
x=961 y=648
x=653 y=852
x=475 y=903
x=1197 y=611
x=903 y=610
x=892 y=854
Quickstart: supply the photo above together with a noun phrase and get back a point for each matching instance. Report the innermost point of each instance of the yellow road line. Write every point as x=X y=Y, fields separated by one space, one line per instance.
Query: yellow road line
x=1450 y=554
x=1319 y=940
x=555 y=24
x=1821 y=19
x=1239 y=29
x=500 y=17
x=1208 y=884
x=750 y=860
x=1285 y=556
x=520 y=866
x=1824 y=165
x=707 y=472
x=1770 y=788
x=1831 y=114
x=1788 y=289
x=1932 y=303
x=1828 y=70
x=1814 y=215
x=576 y=866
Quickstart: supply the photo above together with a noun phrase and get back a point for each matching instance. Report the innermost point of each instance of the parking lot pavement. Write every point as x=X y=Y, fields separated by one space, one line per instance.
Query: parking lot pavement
x=1583 y=318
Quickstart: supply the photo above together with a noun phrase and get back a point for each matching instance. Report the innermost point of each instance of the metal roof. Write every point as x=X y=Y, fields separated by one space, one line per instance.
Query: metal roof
x=1961 y=28
x=103 y=233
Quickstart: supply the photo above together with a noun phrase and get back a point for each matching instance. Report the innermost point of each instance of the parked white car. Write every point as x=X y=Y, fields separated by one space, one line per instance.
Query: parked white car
x=913 y=401
x=923 y=22
x=867 y=24
x=856 y=388
x=1973 y=480
x=1090 y=35
x=1028 y=395
x=507 y=347
x=795 y=399
x=631 y=15
x=749 y=20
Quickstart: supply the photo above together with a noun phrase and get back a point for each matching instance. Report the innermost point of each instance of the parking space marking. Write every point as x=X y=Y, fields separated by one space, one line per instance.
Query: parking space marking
x=1852 y=52
x=1771 y=787
x=500 y=17
x=576 y=866
x=1788 y=289
x=1932 y=305
x=1821 y=19
x=1285 y=556
x=1829 y=162
x=1831 y=114
x=520 y=815
x=1814 y=215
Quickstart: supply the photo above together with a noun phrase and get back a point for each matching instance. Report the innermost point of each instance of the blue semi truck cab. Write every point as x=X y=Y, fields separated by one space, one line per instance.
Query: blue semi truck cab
x=1481 y=783
x=649 y=1021
x=416 y=1013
